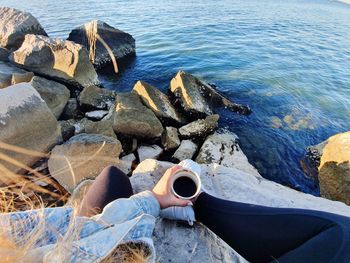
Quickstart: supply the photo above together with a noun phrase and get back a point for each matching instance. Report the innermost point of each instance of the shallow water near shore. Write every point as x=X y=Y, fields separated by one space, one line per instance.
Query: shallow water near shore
x=289 y=60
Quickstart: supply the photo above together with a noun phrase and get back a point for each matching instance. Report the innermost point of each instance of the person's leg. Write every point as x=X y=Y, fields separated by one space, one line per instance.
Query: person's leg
x=109 y=185
x=263 y=234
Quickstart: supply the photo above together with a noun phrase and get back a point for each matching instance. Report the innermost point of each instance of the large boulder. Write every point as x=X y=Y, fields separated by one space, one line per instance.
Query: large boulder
x=53 y=93
x=170 y=138
x=222 y=148
x=227 y=183
x=198 y=98
x=93 y=97
x=14 y=25
x=132 y=118
x=158 y=102
x=83 y=157
x=27 y=122
x=57 y=59
x=10 y=75
x=334 y=169
x=121 y=44
x=200 y=128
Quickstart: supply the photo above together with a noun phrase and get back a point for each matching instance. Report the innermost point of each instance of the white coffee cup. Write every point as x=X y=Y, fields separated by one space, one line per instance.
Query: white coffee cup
x=183 y=172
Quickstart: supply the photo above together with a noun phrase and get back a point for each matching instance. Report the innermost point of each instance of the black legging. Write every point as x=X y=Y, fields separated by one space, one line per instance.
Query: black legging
x=258 y=233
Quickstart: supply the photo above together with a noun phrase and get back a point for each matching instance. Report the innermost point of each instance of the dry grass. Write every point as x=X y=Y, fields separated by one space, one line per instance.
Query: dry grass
x=37 y=190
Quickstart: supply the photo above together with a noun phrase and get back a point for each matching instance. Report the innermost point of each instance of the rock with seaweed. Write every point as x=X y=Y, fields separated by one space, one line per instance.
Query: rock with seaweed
x=57 y=59
x=104 y=42
x=14 y=25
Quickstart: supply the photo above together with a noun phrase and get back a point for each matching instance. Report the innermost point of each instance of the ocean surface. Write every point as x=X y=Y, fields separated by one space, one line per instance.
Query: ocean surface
x=289 y=60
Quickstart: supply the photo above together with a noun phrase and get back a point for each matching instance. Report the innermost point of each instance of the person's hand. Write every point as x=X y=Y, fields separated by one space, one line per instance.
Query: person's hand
x=162 y=191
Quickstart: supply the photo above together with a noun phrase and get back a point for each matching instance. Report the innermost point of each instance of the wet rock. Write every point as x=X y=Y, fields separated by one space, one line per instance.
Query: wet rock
x=158 y=102
x=27 y=122
x=132 y=118
x=96 y=115
x=53 y=93
x=185 y=89
x=198 y=98
x=10 y=75
x=14 y=25
x=170 y=138
x=185 y=151
x=200 y=128
x=61 y=60
x=222 y=148
x=93 y=97
x=127 y=162
x=83 y=157
x=4 y=54
x=120 y=43
x=314 y=153
x=334 y=169
x=149 y=152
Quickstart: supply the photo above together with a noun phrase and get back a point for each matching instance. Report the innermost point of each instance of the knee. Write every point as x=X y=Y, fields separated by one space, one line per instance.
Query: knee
x=112 y=172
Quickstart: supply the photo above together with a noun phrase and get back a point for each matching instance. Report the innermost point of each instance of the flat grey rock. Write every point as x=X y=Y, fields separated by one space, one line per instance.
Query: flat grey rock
x=185 y=151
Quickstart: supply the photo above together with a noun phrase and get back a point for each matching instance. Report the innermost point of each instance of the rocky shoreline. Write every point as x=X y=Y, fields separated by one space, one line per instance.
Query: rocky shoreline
x=52 y=103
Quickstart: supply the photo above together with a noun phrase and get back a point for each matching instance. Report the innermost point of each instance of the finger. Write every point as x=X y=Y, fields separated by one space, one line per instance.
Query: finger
x=181 y=202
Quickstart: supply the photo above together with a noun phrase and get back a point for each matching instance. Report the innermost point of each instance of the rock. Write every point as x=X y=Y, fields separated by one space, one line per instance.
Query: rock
x=10 y=75
x=186 y=150
x=83 y=157
x=226 y=183
x=93 y=97
x=198 y=98
x=170 y=138
x=200 y=128
x=129 y=144
x=67 y=129
x=103 y=127
x=61 y=60
x=96 y=115
x=158 y=102
x=71 y=110
x=222 y=148
x=79 y=192
x=26 y=122
x=132 y=118
x=53 y=93
x=315 y=152
x=185 y=89
x=14 y=25
x=126 y=163
x=4 y=54
x=149 y=152
x=121 y=44
x=334 y=169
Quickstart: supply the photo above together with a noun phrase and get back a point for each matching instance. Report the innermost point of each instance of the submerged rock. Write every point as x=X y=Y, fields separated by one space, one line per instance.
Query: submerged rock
x=10 y=75
x=57 y=59
x=14 y=25
x=93 y=97
x=222 y=148
x=53 y=93
x=200 y=128
x=84 y=156
x=170 y=138
x=132 y=118
x=149 y=152
x=334 y=169
x=158 y=102
x=120 y=43
x=185 y=151
x=27 y=122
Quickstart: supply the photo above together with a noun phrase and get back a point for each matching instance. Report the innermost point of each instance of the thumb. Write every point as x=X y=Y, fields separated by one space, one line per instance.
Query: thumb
x=181 y=202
